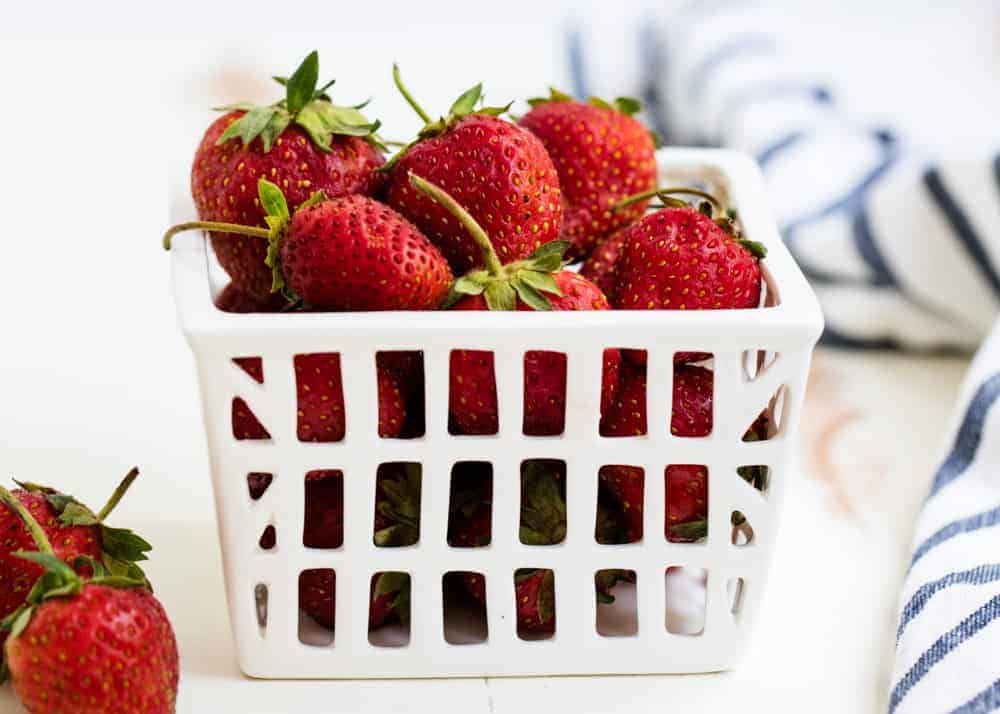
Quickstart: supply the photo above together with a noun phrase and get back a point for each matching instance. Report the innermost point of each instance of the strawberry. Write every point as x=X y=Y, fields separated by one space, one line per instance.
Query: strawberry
x=534 y=594
x=323 y=525
x=600 y=267
x=543 y=502
x=625 y=484
x=500 y=172
x=602 y=155
x=320 y=392
x=407 y=368
x=232 y=299
x=537 y=283
x=687 y=503
x=317 y=595
x=74 y=529
x=245 y=424
x=397 y=504
x=390 y=599
x=304 y=143
x=683 y=258
x=102 y=645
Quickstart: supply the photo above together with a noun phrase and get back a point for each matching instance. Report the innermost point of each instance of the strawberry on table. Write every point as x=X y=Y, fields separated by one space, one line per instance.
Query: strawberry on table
x=97 y=645
x=75 y=531
x=535 y=283
x=500 y=172
x=304 y=143
x=602 y=155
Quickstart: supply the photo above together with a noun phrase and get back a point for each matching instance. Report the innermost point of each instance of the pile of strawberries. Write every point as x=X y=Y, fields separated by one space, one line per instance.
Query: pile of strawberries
x=478 y=212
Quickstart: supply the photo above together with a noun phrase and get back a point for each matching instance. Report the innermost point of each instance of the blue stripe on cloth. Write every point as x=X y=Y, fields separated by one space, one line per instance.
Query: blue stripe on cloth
x=652 y=67
x=776 y=147
x=974 y=576
x=577 y=66
x=986 y=701
x=832 y=337
x=962 y=227
x=996 y=169
x=970 y=434
x=738 y=47
x=869 y=251
x=856 y=194
x=942 y=647
x=984 y=519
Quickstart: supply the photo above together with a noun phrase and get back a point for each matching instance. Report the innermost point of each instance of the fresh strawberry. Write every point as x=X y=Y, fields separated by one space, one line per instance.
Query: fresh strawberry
x=537 y=283
x=682 y=258
x=74 y=529
x=600 y=267
x=232 y=299
x=303 y=143
x=602 y=155
x=318 y=595
x=625 y=484
x=245 y=423
x=534 y=594
x=692 y=403
x=687 y=503
x=470 y=505
x=101 y=645
x=407 y=368
x=323 y=526
x=500 y=172
x=320 y=392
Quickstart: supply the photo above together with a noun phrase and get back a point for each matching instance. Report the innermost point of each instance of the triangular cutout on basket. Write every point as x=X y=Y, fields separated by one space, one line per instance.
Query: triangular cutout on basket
x=257 y=483
x=767 y=425
x=757 y=362
x=254 y=366
x=269 y=538
x=246 y=426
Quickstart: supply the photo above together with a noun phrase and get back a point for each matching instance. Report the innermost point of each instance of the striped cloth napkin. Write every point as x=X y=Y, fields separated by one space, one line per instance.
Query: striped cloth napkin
x=902 y=251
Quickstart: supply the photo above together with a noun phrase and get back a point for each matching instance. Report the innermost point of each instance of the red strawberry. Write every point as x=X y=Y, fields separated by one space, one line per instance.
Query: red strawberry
x=407 y=368
x=600 y=267
x=232 y=299
x=687 y=503
x=500 y=172
x=390 y=599
x=625 y=483
x=319 y=387
x=680 y=258
x=692 y=403
x=245 y=424
x=626 y=415
x=303 y=143
x=317 y=595
x=73 y=528
x=323 y=526
x=534 y=594
x=602 y=155
x=104 y=645
x=537 y=283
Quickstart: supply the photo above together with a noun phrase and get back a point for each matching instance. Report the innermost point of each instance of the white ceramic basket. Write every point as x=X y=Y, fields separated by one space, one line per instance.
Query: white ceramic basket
x=780 y=336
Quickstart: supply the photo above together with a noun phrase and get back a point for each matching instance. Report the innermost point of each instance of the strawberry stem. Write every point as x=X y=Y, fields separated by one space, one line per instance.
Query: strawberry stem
x=661 y=192
x=407 y=96
x=119 y=492
x=213 y=226
x=493 y=265
x=37 y=534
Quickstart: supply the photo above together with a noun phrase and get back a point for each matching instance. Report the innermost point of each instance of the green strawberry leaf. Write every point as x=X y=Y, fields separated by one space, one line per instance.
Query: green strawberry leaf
x=554 y=96
x=553 y=247
x=540 y=281
x=391 y=582
x=278 y=122
x=500 y=296
x=19 y=619
x=76 y=514
x=529 y=295
x=547 y=597
x=315 y=198
x=124 y=544
x=302 y=83
x=50 y=562
x=254 y=121
x=495 y=111
x=627 y=105
x=237 y=107
x=468 y=285
x=756 y=249
x=272 y=199
x=692 y=530
x=466 y=103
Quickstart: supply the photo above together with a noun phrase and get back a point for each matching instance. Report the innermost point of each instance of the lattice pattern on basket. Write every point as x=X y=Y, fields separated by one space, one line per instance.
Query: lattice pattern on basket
x=760 y=360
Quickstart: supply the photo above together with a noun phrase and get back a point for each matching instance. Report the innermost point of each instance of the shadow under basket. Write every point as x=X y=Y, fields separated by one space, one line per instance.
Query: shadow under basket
x=715 y=578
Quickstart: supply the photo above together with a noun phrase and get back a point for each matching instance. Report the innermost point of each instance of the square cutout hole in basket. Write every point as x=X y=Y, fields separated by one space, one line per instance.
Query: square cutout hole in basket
x=543 y=502
x=472 y=394
x=402 y=397
x=617 y=611
x=623 y=393
x=397 y=504
x=768 y=424
x=686 y=488
x=464 y=598
x=320 y=392
x=470 y=505
x=544 y=393
x=535 y=600
x=691 y=410
x=323 y=520
x=389 y=609
x=686 y=592
x=619 y=504
x=317 y=606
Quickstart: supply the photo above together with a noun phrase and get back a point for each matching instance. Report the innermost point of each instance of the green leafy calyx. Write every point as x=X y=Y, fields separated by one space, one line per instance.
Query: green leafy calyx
x=625 y=105
x=306 y=105
x=272 y=200
x=399 y=505
x=543 y=506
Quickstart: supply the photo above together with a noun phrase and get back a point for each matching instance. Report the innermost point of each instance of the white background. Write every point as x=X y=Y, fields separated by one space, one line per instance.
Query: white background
x=101 y=108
